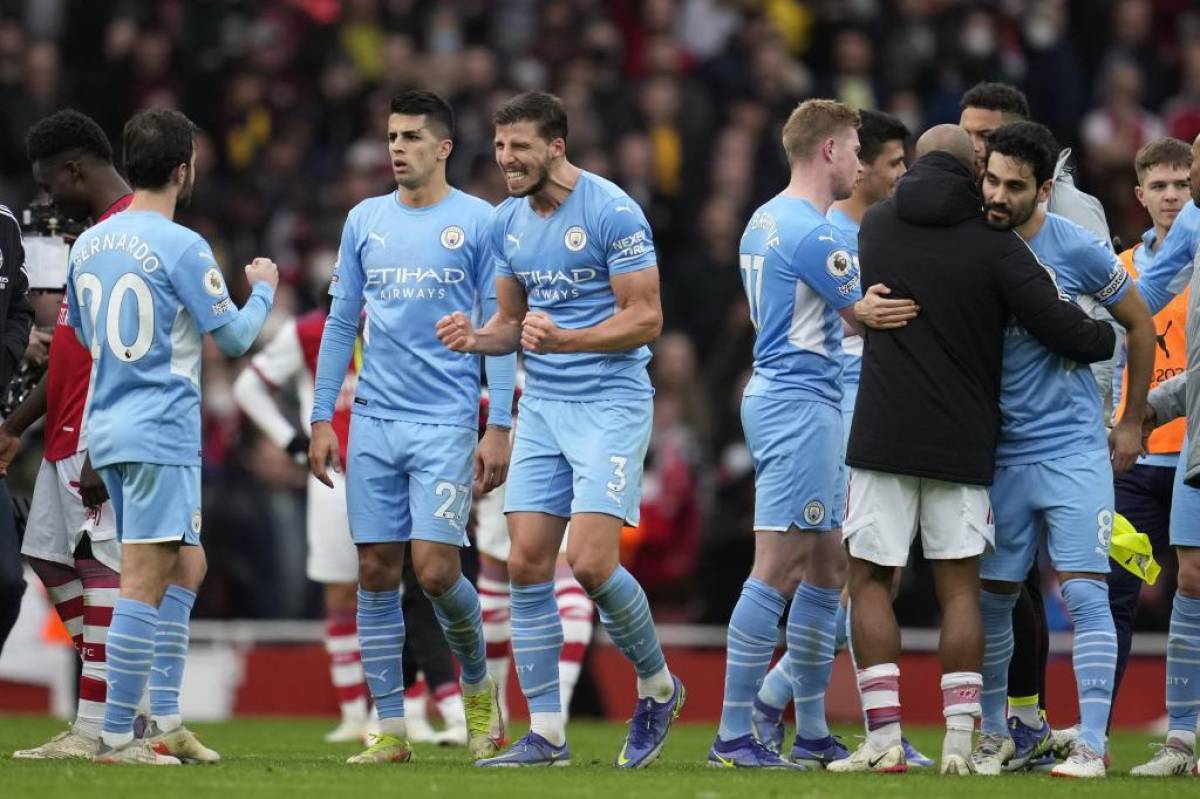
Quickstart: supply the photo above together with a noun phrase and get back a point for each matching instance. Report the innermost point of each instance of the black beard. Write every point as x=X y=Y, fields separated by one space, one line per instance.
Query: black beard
x=536 y=187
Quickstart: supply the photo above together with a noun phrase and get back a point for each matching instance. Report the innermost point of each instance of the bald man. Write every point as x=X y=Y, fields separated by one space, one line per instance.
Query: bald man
x=923 y=439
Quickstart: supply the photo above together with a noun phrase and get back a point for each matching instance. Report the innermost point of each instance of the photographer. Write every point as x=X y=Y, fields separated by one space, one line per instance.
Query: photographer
x=16 y=316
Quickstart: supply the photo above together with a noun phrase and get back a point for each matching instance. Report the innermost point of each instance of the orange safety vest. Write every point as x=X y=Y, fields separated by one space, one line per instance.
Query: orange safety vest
x=1170 y=359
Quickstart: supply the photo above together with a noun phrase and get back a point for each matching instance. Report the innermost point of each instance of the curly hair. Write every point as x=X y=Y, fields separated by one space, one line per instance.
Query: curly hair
x=1029 y=142
x=64 y=131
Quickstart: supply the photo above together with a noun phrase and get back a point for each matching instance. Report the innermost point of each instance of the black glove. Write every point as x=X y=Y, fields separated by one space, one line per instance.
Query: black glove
x=298 y=449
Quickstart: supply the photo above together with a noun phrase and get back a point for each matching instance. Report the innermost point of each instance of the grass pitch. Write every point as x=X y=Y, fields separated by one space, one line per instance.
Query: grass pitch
x=283 y=757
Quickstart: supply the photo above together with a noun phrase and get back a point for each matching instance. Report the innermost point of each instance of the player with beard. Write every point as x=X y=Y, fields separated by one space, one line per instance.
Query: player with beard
x=1053 y=468
x=141 y=291
x=578 y=290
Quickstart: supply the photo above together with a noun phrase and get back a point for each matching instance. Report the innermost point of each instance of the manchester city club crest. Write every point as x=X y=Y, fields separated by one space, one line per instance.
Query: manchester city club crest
x=814 y=512
x=575 y=239
x=196 y=521
x=453 y=237
x=838 y=263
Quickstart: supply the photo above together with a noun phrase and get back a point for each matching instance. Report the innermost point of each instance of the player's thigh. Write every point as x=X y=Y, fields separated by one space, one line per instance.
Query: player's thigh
x=491 y=526
x=47 y=535
x=956 y=520
x=796 y=448
x=605 y=444
x=441 y=468
x=1017 y=524
x=160 y=503
x=882 y=515
x=377 y=490
x=1078 y=492
x=539 y=477
x=1185 y=508
x=332 y=557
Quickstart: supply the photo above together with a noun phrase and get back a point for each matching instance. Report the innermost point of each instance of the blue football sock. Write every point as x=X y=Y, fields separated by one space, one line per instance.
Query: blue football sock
x=129 y=651
x=1183 y=664
x=751 y=638
x=625 y=614
x=537 y=640
x=170 y=650
x=777 y=689
x=458 y=612
x=841 y=628
x=381 y=642
x=1094 y=654
x=997 y=611
x=810 y=640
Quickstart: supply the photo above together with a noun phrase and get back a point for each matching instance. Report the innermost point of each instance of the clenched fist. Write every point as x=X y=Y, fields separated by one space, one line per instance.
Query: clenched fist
x=456 y=332
x=262 y=270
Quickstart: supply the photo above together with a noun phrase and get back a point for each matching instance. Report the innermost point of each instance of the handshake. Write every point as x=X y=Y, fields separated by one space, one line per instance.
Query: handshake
x=539 y=335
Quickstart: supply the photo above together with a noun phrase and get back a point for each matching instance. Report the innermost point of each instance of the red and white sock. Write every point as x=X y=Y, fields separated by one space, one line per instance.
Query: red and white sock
x=448 y=698
x=879 y=687
x=495 y=600
x=960 y=706
x=345 y=663
x=65 y=590
x=576 y=609
x=101 y=587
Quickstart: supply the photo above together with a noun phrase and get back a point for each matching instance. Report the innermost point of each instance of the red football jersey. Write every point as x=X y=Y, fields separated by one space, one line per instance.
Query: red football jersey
x=69 y=378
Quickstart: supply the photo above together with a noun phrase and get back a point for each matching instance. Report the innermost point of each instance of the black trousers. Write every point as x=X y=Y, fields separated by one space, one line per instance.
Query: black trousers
x=12 y=579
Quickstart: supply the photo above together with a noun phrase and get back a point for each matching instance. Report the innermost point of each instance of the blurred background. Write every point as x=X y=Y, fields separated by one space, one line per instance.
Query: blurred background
x=678 y=101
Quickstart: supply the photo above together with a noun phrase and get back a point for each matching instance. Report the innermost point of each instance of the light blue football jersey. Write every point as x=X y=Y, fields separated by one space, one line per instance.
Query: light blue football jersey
x=565 y=263
x=1171 y=270
x=143 y=290
x=798 y=271
x=852 y=346
x=1049 y=405
x=412 y=266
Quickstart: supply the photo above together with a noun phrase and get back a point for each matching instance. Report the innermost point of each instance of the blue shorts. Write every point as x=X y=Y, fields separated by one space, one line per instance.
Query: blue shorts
x=579 y=457
x=799 y=478
x=1185 y=507
x=155 y=503
x=1071 y=498
x=407 y=480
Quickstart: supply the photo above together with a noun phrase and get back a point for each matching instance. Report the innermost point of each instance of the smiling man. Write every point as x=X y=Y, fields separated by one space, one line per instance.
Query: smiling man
x=577 y=290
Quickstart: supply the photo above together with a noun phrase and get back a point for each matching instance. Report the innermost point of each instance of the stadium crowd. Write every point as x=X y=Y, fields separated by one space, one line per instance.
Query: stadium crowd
x=678 y=101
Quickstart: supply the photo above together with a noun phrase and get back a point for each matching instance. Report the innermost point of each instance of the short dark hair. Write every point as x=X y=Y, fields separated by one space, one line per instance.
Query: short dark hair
x=65 y=131
x=437 y=111
x=876 y=130
x=1002 y=97
x=1162 y=151
x=542 y=108
x=155 y=142
x=1030 y=142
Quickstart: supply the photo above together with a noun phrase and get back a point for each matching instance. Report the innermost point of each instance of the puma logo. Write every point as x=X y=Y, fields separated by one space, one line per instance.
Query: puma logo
x=165 y=671
x=373 y=236
x=380 y=676
x=824 y=238
x=1161 y=338
x=516 y=240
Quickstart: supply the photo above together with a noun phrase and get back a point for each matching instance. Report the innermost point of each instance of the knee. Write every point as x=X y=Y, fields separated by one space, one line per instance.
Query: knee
x=438 y=575
x=191 y=570
x=377 y=572
x=593 y=569
x=1189 y=572
x=527 y=567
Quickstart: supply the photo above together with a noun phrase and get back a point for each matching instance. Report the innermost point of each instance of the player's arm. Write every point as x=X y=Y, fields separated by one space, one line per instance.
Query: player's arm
x=1125 y=441
x=502 y=333
x=32 y=408
x=1158 y=283
x=235 y=335
x=638 y=320
x=878 y=312
x=494 y=450
x=1060 y=325
x=333 y=361
x=253 y=390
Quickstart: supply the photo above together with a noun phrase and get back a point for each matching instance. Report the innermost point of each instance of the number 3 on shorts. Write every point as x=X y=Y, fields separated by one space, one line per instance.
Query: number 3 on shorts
x=617 y=484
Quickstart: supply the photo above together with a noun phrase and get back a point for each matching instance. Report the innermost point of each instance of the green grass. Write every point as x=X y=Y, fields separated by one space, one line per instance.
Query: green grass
x=282 y=757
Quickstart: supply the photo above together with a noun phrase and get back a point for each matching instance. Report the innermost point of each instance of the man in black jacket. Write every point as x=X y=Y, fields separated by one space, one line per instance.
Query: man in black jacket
x=16 y=316
x=922 y=445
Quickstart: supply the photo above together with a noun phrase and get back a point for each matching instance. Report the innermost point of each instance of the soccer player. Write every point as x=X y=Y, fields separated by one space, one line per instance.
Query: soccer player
x=881 y=138
x=922 y=446
x=1053 y=468
x=1173 y=264
x=142 y=290
x=413 y=256
x=71 y=547
x=577 y=289
x=801 y=282
x=1143 y=494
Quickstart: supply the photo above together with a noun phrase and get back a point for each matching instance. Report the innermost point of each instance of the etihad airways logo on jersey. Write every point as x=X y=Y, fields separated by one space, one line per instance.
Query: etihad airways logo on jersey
x=413 y=282
x=556 y=284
